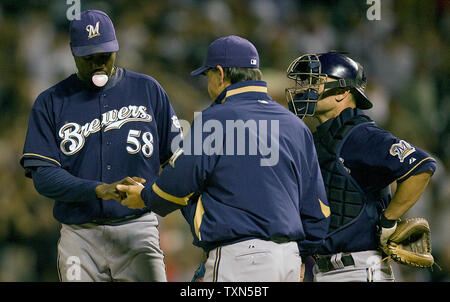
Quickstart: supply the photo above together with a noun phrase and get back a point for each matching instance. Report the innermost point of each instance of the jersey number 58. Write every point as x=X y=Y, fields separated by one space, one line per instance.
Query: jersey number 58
x=136 y=145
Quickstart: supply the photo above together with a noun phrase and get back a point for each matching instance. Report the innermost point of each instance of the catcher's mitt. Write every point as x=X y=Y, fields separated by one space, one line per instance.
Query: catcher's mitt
x=410 y=244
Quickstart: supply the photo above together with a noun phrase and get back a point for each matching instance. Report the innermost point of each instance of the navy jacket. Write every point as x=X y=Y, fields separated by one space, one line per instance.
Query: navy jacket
x=247 y=169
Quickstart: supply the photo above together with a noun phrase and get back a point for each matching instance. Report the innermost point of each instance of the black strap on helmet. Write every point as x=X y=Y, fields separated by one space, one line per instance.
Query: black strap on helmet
x=341 y=83
x=344 y=83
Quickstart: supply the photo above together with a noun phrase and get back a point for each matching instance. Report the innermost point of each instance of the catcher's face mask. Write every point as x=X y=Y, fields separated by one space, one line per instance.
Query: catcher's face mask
x=309 y=85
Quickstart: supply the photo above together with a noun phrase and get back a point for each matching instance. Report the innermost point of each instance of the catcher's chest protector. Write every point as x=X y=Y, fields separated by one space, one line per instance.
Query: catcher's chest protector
x=345 y=197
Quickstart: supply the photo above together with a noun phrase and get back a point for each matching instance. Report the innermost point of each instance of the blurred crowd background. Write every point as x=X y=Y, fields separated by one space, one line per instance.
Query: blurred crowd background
x=405 y=54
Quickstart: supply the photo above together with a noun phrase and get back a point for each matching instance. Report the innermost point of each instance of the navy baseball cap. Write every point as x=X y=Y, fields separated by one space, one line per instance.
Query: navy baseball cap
x=92 y=33
x=230 y=51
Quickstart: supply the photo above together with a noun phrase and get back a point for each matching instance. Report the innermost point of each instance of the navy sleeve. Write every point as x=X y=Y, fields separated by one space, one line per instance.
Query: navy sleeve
x=185 y=176
x=314 y=208
x=40 y=142
x=376 y=158
x=176 y=184
x=58 y=184
x=167 y=121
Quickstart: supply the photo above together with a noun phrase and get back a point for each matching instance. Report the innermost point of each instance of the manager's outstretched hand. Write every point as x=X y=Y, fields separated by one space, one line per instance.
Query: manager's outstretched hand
x=109 y=191
x=133 y=198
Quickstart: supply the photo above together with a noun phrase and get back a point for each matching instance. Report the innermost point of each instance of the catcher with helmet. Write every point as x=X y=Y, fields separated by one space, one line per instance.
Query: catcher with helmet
x=359 y=161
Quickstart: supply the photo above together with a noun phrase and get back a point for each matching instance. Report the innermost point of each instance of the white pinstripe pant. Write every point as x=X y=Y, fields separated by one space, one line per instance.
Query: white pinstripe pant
x=126 y=251
x=254 y=260
x=368 y=267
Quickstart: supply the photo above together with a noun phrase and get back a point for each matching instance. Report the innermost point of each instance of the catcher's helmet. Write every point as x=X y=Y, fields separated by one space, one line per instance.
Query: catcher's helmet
x=310 y=71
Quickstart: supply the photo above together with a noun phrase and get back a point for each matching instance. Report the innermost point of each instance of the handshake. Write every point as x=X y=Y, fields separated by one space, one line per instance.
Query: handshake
x=126 y=191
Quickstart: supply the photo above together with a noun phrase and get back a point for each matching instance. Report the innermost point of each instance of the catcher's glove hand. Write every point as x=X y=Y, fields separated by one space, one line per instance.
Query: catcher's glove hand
x=410 y=243
x=386 y=228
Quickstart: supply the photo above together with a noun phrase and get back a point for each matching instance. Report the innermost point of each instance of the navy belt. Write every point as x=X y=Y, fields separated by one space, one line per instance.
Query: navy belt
x=280 y=239
x=326 y=263
x=106 y=221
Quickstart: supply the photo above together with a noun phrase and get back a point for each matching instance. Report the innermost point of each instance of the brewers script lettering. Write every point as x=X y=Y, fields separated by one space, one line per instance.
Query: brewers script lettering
x=73 y=135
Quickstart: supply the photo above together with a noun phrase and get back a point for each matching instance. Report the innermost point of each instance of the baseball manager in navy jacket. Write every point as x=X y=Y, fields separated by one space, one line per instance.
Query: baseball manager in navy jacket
x=88 y=133
x=247 y=177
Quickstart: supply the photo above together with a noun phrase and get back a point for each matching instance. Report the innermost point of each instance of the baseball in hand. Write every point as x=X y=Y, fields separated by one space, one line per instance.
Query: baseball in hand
x=99 y=80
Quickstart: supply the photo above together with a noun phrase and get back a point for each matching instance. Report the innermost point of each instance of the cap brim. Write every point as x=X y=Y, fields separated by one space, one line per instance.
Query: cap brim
x=362 y=101
x=200 y=70
x=81 y=51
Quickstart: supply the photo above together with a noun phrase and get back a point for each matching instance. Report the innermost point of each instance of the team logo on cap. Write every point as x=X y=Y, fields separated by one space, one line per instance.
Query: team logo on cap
x=253 y=61
x=93 y=31
x=402 y=149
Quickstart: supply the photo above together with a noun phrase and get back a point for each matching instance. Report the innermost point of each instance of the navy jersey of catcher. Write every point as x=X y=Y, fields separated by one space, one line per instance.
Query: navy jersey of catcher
x=124 y=129
x=374 y=158
x=229 y=193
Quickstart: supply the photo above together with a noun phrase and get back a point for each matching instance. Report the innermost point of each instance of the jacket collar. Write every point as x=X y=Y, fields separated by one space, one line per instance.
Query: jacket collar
x=244 y=89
